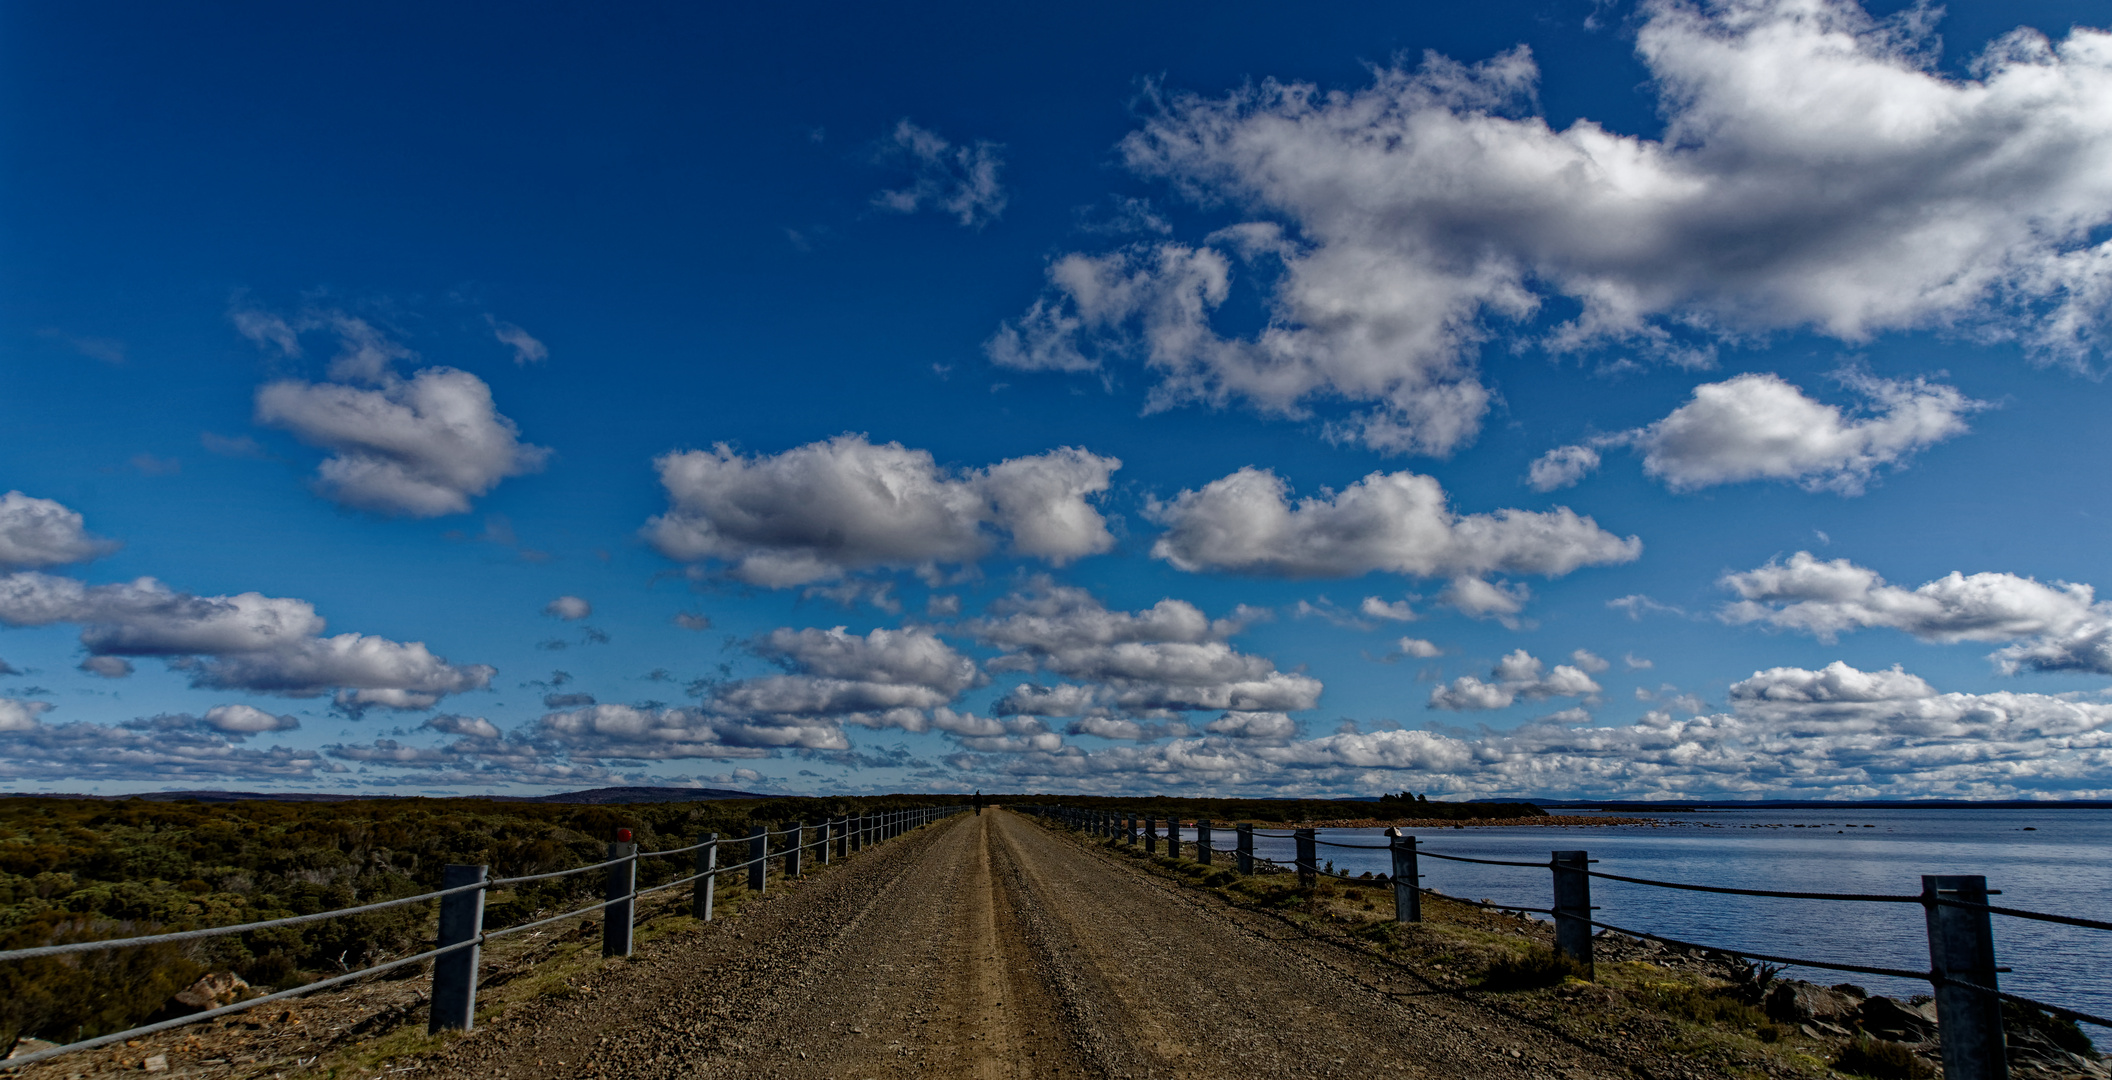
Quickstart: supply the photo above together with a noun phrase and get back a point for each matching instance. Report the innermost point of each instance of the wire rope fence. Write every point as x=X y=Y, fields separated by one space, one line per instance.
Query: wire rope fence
x=460 y=932
x=1962 y=972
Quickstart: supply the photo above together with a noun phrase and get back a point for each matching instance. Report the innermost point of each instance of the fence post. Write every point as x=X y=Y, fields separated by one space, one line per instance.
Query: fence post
x=1243 y=859
x=455 y=973
x=1151 y=836
x=758 y=859
x=623 y=885
x=795 y=852
x=706 y=887
x=1308 y=857
x=1407 y=881
x=1173 y=837
x=1573 y=908
x=828 y=839
x=843 y=837
x=1962 y=947
x=1202 y=841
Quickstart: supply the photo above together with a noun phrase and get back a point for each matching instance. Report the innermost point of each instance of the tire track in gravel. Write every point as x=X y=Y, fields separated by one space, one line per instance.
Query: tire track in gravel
x=994 y=947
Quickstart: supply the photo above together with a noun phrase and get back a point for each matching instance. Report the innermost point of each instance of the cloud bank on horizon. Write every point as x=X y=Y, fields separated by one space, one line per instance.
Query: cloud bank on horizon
x=1841 y=302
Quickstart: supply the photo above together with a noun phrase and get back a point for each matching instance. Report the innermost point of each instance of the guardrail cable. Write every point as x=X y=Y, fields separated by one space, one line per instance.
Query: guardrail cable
x=1875 y=898
x=1860 y=969
x=2020 y=999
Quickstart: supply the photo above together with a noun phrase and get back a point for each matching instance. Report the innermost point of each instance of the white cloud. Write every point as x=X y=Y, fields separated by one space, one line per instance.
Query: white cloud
x=1418 y=648
x=1816 y=172
x=420 y=448
x=818 y=511
x=1167 y=659
x=2055 y=627
x=1589 y=661
x=568 y=608
x=19 y=715
x=1395 y=522
x=248 y=641
x=247 y=720
x=1561 y=467
x=1759 y=427
x=1518 y=675
x=1834 y=733
x=959 y=181
x=1636 y=603
x=108 y=667
x=1636 y=663
x=1390 y=610
x=1480 y=599
x=526 y=349
x=1260 y=726
x=36 y=533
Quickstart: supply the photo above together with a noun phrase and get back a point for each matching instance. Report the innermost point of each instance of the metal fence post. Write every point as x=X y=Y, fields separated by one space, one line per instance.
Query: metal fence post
x=1407 y=881
x=795 y=851
x=1203 y=850
x=706 y=887
x=857 y=832
x=828 y=838
x=1173 y=837
x=1962 y=948
x=455 y=973
x=1243 y=859
x=1308 y=857
x=1573 y=907
x=758 y=859
x=623 y=886
x=1151 y=836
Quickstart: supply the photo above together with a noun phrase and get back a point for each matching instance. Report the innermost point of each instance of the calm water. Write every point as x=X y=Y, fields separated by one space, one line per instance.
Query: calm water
x=2064 y=867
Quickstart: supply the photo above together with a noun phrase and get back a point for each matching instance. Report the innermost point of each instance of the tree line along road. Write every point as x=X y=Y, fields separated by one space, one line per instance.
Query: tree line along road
x=995 y=946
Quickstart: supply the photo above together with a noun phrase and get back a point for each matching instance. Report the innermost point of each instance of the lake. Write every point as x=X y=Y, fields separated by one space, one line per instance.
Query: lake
x=2051 y=860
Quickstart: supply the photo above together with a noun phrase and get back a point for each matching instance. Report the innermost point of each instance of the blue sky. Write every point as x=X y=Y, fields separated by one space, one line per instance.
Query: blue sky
x=1554 y=399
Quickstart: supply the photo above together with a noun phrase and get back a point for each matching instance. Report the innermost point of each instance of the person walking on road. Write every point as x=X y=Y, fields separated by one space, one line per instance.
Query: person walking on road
x=978 y=804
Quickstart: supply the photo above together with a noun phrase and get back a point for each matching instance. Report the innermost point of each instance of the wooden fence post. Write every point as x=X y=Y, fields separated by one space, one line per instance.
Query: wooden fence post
x=1308 y=857
x=622 y=886
x=1962 y=948
x=455 y=973
x=1151 y=835
x=1573 y=908
x=1243 y=859
x=1173 y=837
x=1203 y=851
x=1407 y=880
x=705 y=888
x=759 y=859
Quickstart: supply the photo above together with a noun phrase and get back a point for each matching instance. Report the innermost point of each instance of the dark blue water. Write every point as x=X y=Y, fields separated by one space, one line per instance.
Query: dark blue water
x=2063 y=866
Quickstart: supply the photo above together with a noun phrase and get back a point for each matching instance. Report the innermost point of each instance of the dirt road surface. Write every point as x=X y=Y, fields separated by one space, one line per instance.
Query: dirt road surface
x=993 y=947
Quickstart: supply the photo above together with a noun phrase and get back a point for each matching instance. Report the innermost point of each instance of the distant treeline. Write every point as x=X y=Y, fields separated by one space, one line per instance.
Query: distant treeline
x=1278 y=811
x=80 y=869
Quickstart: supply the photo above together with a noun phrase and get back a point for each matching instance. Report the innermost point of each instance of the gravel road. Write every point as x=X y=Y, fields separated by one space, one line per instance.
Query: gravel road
x=992 y=946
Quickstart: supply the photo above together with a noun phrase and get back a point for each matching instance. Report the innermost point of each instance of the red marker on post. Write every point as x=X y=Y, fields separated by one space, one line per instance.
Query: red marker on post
x=623 y=836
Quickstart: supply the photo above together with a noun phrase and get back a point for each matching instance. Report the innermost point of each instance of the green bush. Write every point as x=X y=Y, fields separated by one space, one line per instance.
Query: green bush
x=1882 y=1060
x=1530 y=970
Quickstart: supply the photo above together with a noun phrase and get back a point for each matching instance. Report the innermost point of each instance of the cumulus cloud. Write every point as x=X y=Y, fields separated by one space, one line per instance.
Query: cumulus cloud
x=19 y=715
x=247 y=720
x=164 y=749
x=568 y=608
x=1400 y=523
x=421 y=447
x=1816 y=172
x=1518 y=675
x=2055 y=627
x=1562 y=467
x=959 y=181
x=1390 y=610
x=1417 y=648
x=108 y=667
x=1759 y=427
x=36 y=533
x=1151 y=664
x=818 y=511
x=1587 y=660
x=1833 y=733
x=249 y=641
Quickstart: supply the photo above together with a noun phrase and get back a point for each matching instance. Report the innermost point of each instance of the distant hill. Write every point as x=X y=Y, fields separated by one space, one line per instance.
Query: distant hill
x=610 y=796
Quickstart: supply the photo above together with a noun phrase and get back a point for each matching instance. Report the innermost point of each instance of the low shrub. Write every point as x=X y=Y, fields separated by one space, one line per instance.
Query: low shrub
x=1882 y=1060
x=1530 y=970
